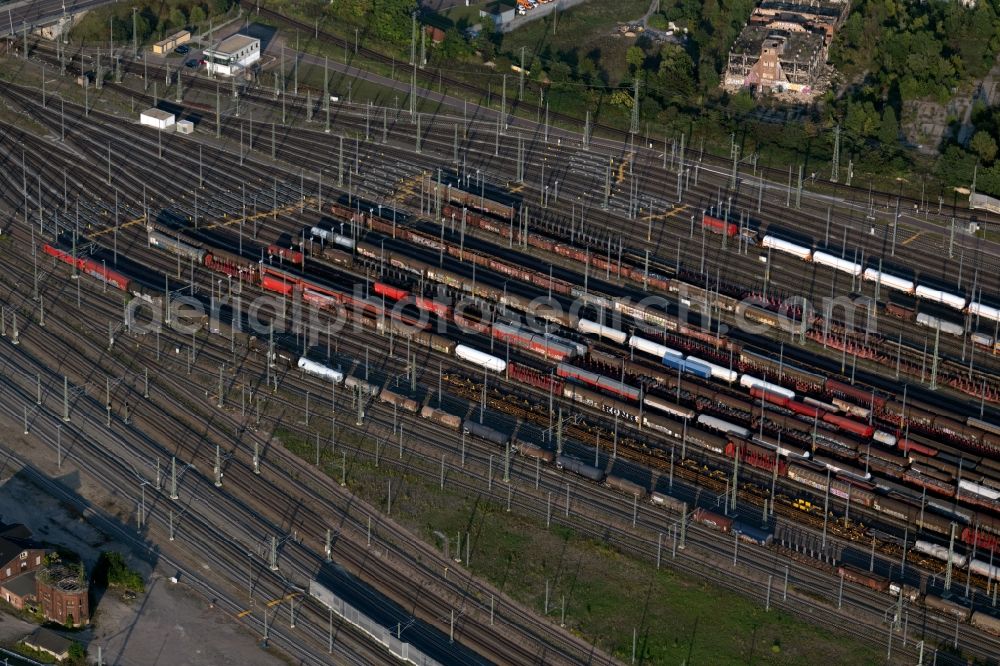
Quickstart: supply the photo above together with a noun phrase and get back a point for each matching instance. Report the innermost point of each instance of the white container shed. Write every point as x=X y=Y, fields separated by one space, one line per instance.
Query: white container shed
x=156 y=118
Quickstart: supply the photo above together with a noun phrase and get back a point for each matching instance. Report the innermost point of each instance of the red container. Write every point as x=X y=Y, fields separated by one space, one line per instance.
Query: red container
x=858 y=395
x=286 y=254
x=804 y=409
x=393 y=293
x=769 y=396
x=715 y=225
x=277 y=285
x=61 y=255
x=849 y=425
x=536 y=378
x=980 y=539
x=430 y=305
x=114 y=278
x=907 y=445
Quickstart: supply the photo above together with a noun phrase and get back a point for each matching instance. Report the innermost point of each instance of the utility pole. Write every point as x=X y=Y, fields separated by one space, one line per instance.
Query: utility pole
x=798 y=190
x=835 y=168
x=635 y=107
x=520 y=91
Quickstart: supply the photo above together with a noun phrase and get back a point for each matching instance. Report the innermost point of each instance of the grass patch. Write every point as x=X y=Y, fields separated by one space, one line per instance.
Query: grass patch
x=607 y=595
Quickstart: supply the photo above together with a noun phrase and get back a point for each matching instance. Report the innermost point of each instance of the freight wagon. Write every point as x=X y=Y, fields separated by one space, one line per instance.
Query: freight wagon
x=624 y=485
x=402 y=402
x=947 y=607
x=751 y=534
x=188 y=251
x=718 y=226
x=529 y=450
x=470 y=427
x=861 y=577
x=986 y=622
x=320 y=370
x=713 y=520
x=671 y=503
x=579 y=467
x=442 y=417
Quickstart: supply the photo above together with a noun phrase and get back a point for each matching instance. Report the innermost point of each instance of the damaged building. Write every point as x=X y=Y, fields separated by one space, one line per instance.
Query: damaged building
x=783 y=48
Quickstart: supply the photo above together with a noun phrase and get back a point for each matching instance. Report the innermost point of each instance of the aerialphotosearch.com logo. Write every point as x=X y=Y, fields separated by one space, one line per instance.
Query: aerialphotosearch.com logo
x=317 y=316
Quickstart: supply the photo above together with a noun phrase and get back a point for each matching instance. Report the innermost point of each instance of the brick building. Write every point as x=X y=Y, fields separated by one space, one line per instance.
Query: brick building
x=26 y=578
x=63 y=594
x=18 y=552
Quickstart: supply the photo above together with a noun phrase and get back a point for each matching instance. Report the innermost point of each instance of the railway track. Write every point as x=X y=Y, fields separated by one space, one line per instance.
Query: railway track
x=275 y=501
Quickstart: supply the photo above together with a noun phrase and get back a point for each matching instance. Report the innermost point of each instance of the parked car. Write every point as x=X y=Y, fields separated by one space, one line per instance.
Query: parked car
x=182 y=49
x=193 y=63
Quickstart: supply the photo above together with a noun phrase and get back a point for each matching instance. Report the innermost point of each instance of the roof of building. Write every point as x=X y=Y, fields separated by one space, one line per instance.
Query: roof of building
x=67 y=578
x=159 y=114
x=233 y=44
x=22 y=585
x=799 y=46
x=48 y=641
x=174 y=37
x=14 y=540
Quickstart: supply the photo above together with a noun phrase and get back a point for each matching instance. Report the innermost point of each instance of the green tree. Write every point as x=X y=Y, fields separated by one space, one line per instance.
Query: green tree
x=198 y=15
x=888 y=131
x=985 y=146
x=77 y=653
x=741 y=103
x=673 y=81
x=390 y=20
x=177 y=18
x=219 y=7
x=634 y=57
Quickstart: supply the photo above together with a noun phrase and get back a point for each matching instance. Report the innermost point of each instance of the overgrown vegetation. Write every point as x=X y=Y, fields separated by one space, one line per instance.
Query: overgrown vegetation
x=154 y=20
x=902 y=51
x=607 y=595
x=112 y=572
x=387 y=21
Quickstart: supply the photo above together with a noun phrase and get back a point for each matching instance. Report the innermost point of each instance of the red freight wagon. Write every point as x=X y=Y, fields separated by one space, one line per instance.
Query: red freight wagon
x=286 y=254
x=850 y=425
x=114 y=278
x=394 y=293
x=277 y=285
x=717 y=226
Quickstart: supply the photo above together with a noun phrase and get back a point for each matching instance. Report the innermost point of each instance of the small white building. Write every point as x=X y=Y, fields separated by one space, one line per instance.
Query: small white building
x=156 y=118
x=233 y=55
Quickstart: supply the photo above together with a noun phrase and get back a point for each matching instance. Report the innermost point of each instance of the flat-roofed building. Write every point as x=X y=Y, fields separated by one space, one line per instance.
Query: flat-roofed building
x=233 y=55
x=172 y=42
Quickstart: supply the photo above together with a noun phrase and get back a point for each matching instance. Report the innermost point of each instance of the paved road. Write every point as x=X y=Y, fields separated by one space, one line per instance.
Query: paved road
x=38 y=12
